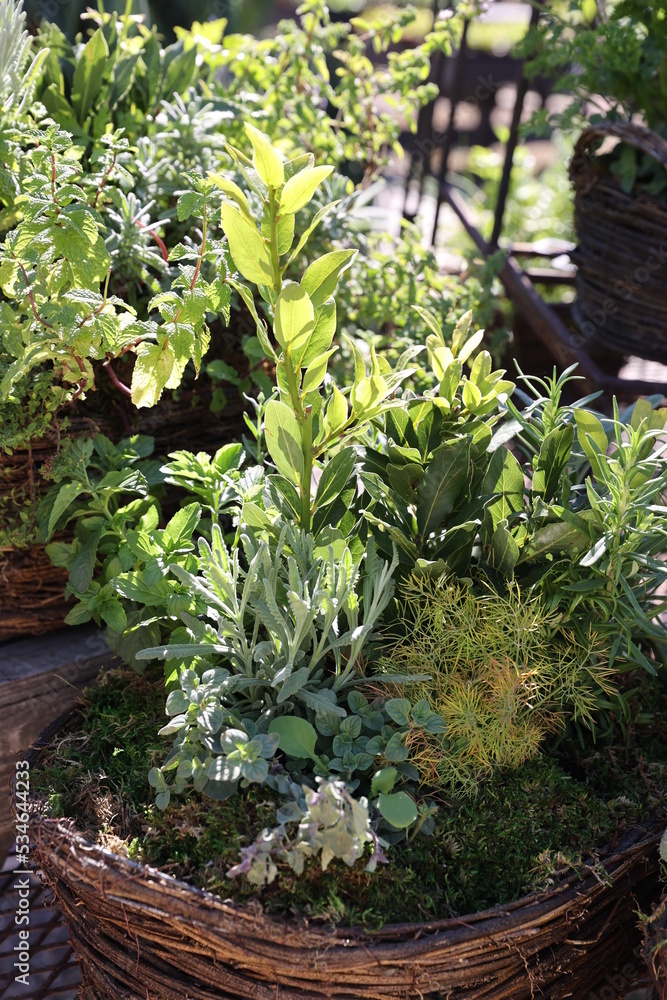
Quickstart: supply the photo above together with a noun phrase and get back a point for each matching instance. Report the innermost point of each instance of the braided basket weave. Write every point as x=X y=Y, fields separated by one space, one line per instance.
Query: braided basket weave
x=655 y=947
x=141 y=934
x=622 y=249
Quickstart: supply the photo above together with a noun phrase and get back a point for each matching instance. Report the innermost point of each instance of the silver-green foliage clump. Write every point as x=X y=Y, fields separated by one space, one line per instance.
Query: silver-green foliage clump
x=19 y=68
x=289 y=620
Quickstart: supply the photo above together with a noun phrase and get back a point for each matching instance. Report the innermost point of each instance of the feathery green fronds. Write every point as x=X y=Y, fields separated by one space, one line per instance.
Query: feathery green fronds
x=503 y=674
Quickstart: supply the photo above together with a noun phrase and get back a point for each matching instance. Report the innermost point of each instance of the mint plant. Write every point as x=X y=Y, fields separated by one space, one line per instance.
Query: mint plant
x=52 y=266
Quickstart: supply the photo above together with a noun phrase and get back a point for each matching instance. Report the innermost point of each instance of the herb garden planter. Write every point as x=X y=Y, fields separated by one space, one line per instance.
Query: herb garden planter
x=621 y=256
x=138 y=932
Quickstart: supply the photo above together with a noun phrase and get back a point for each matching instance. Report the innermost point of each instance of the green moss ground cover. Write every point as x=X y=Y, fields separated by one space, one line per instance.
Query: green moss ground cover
x=523 y=828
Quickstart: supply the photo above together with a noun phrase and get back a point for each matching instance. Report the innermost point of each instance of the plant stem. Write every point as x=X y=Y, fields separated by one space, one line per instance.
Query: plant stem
x=31 y=297
x=202 y=250
x=275 y=256
x=307 y=449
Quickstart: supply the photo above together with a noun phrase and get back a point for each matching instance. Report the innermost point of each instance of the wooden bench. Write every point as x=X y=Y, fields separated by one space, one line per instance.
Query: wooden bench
x=40 y=679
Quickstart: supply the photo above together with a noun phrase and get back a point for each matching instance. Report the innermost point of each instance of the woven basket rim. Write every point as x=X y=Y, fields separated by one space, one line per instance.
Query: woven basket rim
x=62 y=832
x=630 y=133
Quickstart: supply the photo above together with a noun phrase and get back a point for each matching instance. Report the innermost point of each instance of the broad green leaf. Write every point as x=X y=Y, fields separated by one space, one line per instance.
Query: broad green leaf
x=481 y=369
x=552 y=461
x=554 y=538
x=283 y=440
x=321 y=277
x=398 y=709
x=123 y=78
x=314 y=374
x=396 y=749
x=398 y=809
x=89 y=75
x=190 y=203
x=461 y=330
x=431 y=321
x=79 y=614
x=249 y=251
x=504 y=476
x=113 y=615
x=66 y=496
x=180 y=68
x=367 y=393
x=335 y=477
x=285 y=234
x=294 y=320
x=82 y=566
x=181 y=526
x=300 y=189
x=232 y=191
x=404 y=480
x=504 y=551
x=383 y=780
x=153 y=368
x=288 y=494
x=593 y=440
x=320 y=339
x=305 y=236
x=297 y=738
x=298 y=163
x=451 y=381
x=441 y=358
x=9 y=270
x=471 y=395
x=470 y=346
x=336 y=414
x=443 y=482
x=267 y=161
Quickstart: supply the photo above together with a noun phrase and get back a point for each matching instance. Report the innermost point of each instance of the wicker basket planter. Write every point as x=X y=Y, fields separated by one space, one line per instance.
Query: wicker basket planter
x=655 y=947
x=139 y=933
x=622 y=252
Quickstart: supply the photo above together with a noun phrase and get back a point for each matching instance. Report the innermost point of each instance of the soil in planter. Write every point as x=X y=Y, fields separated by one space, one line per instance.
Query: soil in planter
x=522 y=829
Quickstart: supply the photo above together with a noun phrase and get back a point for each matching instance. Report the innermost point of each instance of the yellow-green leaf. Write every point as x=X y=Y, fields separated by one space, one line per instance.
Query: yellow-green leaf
x=283 y=440
x=249 y=251
x=300 y=189
x=315 y=372
x=321 y=277
x=232 y=191
x=294 y=318
x=267 y=161
x=336 y=414
x=152 y=371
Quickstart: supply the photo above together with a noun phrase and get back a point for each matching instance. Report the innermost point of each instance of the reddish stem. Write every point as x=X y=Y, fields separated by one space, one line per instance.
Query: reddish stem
x=30 y=296
x=201 y=252
x=116 y=381
x=160 y=242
